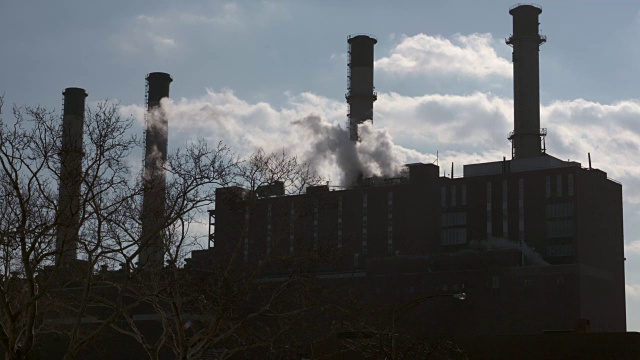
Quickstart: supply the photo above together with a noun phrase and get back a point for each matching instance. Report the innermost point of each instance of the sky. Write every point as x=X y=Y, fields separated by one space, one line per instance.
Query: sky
x=272 y=75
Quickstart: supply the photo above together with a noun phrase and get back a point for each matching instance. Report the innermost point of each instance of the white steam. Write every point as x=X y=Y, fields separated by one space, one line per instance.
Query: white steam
x=329 y=145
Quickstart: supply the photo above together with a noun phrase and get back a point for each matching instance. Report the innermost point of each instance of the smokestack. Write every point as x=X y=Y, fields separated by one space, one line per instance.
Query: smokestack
x=526 y=135
x=154 y=179
x=70 y=175
x=361 y=93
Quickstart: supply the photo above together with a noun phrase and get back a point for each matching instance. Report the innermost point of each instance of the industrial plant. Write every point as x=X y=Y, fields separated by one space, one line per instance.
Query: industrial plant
x=535 y=242
x=525 y=245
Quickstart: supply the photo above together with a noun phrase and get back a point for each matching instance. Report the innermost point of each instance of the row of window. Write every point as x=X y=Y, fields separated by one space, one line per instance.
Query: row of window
x=453 y=196
x=453 y=219
x=560 y=250
x=453 y=288
x=559 y=210
x=453 y=236
x=559 y=228
x=495 y=282
x=559 y=185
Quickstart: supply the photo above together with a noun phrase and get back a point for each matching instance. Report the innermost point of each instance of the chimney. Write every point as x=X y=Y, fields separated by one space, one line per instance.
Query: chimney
x=154 y=179
x=361 y=92
x=70 y=175
x=526 y=136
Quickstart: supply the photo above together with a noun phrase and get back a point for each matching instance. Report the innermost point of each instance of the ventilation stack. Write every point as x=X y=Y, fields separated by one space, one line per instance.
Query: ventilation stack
x=361 y=92
x=526 y=136
x=154 y=179
x=70 y=176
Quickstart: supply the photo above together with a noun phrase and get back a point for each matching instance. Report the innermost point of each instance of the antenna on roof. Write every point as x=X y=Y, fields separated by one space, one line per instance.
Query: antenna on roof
x=589 y=155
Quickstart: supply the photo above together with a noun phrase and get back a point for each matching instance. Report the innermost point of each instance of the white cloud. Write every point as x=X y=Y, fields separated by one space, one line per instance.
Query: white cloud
x=448 y=122
x=632 y=291
x=633 y=248
x=610 y=132
x=145 y=34
x=166 y=31
x=463 y=129
x=467 y=55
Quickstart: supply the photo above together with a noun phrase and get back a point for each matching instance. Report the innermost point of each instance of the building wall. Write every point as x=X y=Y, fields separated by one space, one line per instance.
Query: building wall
x=468 y=232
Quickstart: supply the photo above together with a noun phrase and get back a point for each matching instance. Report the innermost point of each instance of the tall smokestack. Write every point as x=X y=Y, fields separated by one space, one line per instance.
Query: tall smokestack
x=70 y=175
x=361 y=93
x=526 y=41
x=155 y=188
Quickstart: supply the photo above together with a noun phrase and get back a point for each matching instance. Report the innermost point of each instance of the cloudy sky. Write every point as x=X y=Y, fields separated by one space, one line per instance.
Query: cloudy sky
x=272 y=75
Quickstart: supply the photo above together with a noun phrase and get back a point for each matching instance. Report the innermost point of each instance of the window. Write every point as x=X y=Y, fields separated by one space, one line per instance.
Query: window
x=453 y=218
x=292 y=226
x=559 y=185
x=453 y=195
x=505 y=212
x=495 y=283
x=390 y=222
x=547 y=186
x=559 y=210
x=560 y=250
x=443 y=196
x=570 y=184
x=315 y=224
x=269 y=207
x=453 y=236
x=246 y=234
x=489 y=218
x=559 y=228
x=463 y=195
x=364 y=224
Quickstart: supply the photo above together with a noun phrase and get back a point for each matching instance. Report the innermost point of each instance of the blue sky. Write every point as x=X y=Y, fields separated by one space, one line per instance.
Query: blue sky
x=272 y=74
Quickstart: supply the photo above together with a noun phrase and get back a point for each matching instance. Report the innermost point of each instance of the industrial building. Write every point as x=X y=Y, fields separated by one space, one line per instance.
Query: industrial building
x=534 y=241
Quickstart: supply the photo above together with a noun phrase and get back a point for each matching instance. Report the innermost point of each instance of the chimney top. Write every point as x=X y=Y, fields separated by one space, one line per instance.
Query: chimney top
x=359 y=37
x=159 y=76
x=517 y=8
x=74 y=91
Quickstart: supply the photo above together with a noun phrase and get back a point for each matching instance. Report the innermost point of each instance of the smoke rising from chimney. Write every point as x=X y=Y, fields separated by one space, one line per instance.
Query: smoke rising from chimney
x=154 y=199
x=374 y=155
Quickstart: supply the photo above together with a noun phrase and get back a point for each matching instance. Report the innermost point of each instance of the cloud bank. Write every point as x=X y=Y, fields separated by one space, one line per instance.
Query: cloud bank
x=462 y=129
x=467 y=55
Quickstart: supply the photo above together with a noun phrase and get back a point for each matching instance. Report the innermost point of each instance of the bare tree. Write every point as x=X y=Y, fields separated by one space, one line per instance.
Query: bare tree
x=192 y=311
x=220 y=308
x=28 y=155
x=261 y=168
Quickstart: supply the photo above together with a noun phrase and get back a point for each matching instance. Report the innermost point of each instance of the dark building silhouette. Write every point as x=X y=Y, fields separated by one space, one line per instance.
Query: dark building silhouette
x=361 y=92
x=536 y=242
x=156 y=141
x=70 y=175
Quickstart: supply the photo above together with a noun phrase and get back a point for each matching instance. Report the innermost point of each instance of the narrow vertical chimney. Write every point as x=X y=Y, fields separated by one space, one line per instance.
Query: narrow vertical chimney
x=70 y=176
x=154 y=179
x=361 y=92
x=526 y=41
